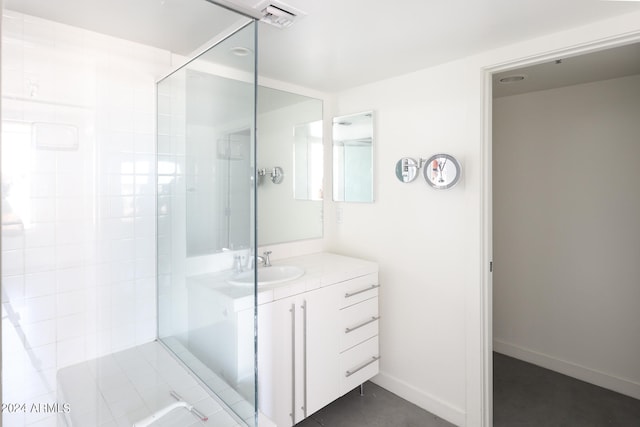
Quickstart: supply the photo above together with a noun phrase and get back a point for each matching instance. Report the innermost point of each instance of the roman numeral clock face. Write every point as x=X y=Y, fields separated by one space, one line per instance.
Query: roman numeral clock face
x=441 y=171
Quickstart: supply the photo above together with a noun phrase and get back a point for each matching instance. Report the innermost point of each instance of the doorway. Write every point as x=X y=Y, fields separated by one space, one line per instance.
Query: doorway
x=564 y=234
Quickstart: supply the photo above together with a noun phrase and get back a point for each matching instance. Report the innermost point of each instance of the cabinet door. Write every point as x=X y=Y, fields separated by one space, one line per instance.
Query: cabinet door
x=276 y=340
x=298 y=348
x=322 y=347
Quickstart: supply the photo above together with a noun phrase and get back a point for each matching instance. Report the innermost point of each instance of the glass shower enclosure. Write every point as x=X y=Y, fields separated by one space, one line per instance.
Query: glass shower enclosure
x=205 y=218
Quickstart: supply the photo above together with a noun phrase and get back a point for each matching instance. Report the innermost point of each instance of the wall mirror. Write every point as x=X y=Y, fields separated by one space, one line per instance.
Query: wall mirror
x=441 y=171
x=353 y=158
x=307 y=161
x=219 y=166
x=290 y=137
x=218 y=163
x=407 y=169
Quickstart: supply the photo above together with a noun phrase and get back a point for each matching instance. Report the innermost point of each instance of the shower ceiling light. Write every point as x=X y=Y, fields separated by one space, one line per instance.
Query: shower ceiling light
x=240 y=51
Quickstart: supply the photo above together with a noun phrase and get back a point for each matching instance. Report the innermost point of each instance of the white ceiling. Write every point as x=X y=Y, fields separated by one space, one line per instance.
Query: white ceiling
x=339 y=43
x=180 y=26
x=345 y=43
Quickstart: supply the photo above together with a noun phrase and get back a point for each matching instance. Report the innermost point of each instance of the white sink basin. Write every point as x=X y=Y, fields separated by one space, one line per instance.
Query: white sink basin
x=268 y=275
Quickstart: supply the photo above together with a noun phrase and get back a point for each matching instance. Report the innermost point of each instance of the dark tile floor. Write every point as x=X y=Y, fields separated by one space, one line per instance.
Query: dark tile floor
x=377 y=408
x=525 y=395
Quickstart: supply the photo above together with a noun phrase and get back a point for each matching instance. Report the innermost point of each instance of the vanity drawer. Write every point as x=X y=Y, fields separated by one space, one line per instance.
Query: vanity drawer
x=359 y=364
x=359 y=289
x=358 y=323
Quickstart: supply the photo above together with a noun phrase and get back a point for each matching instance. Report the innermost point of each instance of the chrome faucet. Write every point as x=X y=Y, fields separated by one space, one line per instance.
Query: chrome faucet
x=264 y=260
x=237 y=264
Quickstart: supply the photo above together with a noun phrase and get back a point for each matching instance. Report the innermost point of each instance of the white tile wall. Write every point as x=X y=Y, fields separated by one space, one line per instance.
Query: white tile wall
x=78 y=268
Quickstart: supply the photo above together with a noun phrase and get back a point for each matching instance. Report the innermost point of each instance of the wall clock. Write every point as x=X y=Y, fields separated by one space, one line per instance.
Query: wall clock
x=441 y=171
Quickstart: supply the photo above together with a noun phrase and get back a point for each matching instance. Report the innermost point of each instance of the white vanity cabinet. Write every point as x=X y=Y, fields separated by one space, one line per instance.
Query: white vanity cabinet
x=317 y=345
x=295 y=376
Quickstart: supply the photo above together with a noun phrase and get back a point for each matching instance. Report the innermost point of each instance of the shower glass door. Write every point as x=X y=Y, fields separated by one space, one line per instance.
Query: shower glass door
x=206 y=221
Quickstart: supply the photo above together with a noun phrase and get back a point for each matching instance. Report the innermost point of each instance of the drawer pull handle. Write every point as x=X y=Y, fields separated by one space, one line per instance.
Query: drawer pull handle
x=349 y=295
x=361 y=367
x=373 y=319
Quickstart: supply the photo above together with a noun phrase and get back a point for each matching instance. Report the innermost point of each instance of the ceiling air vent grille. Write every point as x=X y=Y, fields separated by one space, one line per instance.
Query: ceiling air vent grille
x=278 y=14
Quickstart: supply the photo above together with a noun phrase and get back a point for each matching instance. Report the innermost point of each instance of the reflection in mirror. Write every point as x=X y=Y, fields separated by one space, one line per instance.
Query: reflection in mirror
x=442 y=171
x=307 y=160
x=219 y=167
x=290 y=137
x=407 y=169
x=353 y=158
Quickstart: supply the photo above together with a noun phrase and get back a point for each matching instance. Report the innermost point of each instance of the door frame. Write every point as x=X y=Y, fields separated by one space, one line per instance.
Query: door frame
x=486 y=198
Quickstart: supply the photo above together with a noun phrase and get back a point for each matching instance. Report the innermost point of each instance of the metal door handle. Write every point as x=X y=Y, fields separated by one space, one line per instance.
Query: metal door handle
x=293 y=363
x=304 y=355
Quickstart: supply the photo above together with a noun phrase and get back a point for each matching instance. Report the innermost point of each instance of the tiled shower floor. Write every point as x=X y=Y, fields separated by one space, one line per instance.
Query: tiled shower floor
x=123 y=388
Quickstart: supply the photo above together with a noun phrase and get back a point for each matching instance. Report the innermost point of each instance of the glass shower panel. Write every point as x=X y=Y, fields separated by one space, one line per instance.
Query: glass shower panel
x=206 y=224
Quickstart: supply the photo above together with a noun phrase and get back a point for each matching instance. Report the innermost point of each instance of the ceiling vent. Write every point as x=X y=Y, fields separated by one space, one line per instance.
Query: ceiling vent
x=279 y=14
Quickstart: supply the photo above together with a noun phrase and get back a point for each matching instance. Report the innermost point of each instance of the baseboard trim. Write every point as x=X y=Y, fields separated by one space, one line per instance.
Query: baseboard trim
x=418 y=397
x=617 y=384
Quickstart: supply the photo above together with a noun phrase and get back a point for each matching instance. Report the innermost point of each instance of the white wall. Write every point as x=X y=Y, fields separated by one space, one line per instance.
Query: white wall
x=424 y=240
x=566 y=188
x=78 y=266
x=433 y=299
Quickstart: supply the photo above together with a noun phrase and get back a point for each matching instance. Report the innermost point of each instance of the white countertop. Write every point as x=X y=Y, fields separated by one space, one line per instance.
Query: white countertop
x=320 y=269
